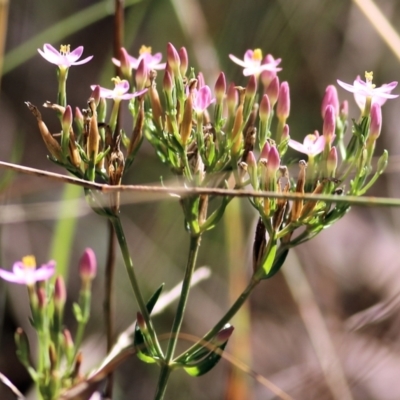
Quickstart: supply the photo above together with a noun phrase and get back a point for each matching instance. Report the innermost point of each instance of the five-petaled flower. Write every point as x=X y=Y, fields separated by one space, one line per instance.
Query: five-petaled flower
x=364 y=90
x=120 y=90
x=25 y=272
x=252 y=63
x=151 y=61
x=312 y=145
x=202 y=98
x=63 y=58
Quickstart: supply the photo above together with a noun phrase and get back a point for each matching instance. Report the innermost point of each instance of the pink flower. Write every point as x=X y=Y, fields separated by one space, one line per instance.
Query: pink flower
x=252 y=63
x=120 y=91
x=312 y=145
x=362 y=90
x=151 y=61
x=202 y=98
x=25 y=272
x=63 y=58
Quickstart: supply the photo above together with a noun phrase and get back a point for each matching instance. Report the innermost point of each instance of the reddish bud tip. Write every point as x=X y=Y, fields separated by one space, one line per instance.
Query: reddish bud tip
x=329 y=123
x=285 y=133
x=232 y=97
x=223 y=335
x=265 y=108
x=125 y=64
x=67 y=119
x=167 y=82
x=332 y=161
x=274 y=160
x=251 y=87
x=251 y=160
x=220 y=87
x=272 y=91
x=376 y=121
x=267 y=76
x=330 y=99
x=140 y=321
x=88 y=265
x=265 y=151
x=183 y=56
x=141 y=75
x=344 y=110
x=173 y=58
x=96 y=94
x=283 y=106
x=60 y=293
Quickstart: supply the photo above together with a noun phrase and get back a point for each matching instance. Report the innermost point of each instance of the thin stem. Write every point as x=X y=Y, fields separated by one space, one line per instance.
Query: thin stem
x=224 y=320
x=108 y=300
x=177 y=324
x=116 y=222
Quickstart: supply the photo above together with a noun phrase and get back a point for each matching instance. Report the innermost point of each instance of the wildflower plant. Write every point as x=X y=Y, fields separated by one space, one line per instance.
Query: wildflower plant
x=211 y=135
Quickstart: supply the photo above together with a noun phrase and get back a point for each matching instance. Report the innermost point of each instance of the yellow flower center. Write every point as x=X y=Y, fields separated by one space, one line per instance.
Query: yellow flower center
x=116 y=80
x=257 y=55
x=144 y=49
x=369 y=76
x=65 y=49
x=29 y=262
x=312 y=137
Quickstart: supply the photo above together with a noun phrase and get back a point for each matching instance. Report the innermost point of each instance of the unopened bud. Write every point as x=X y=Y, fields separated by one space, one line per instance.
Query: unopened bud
x=79 y=121
x=173 y=59
x=60 y=293
x=329 y=124
x=141 y=75
x=251 y=87
x=272 y=91
x=283 y=106
x=252 y=169
x=96 y=95
x=88 y=265
x=344 y=110
x=183 y=55
x=232 y=98
x=274 y=161
x=331 y=162
x=265 y=108
x=330 y=99
x=67 y=119
x=223 y=335
x=376 y=121
x=265 y=151
x=125 y=64
x=285 y=133
x=168 y=83
x=382 y=162
x=220 y=88
x=41 y=297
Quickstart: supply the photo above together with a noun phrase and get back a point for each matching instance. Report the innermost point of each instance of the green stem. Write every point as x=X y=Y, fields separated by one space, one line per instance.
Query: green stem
x=62 y=81
x=223 y=321
x=177 y=324
x=116 y=222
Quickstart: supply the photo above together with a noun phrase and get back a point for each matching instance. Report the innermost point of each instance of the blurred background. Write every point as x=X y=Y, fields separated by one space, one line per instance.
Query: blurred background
x=326 y=326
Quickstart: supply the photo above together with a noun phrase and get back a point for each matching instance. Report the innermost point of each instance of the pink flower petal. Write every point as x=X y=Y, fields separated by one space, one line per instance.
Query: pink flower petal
x=238 y=61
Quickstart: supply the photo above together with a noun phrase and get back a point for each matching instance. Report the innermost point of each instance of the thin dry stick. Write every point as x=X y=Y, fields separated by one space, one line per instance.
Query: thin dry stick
x=317 y=330
x=163 y=191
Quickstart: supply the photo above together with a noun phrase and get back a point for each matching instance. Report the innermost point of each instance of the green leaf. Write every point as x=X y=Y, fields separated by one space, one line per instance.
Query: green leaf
x=204 y=359
x=143 y=348
x=77 y=312
x=269 y=261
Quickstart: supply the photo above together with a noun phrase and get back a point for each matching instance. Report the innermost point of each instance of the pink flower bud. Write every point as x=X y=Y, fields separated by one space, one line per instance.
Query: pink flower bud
x=125 y=65
x=376 y=121
x=265 y=108
x=167 y=82
x=251 y=160
x=67 y=119
x=283 y=106
x=141 y=75
x=251 y=87
x=96 y=94
x=88 y=265
x=265 y=151
x=68 y=342
x=60 y=293
x=223 y=335
x=272 y=91
x=183 y=55
x=173 y=59
x=285 y=133
x=220 y=88
x=329 y=124
x=232 y=97
x=78 y=119
x=41 y=297
x=274 y=161
x=344 y=110
x=330 y=99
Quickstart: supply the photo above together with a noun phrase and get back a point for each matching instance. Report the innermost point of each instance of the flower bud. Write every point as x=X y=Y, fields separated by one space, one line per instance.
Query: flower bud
x=344 y=110
x=67 y=119
x=329 y=124
x=376 y=121
x=223 y=335
x=173 y=59
x=41 y=297
x=88 y=265
x=285 y=133
x=283 y=106
x=60 y=293
x=330 y=99
x=220 y=88
x=79 y=121
x=382 y=162
x=265 y=109
x=96 y=95
x=168 y=83
x=252 y=169
x=274 y=161
x=183 y=55
x=265 y=151
x=272 y=91
x=141 y=75
x=232 y=98
x=251 y=87
x=125 y=64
